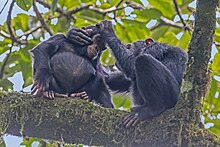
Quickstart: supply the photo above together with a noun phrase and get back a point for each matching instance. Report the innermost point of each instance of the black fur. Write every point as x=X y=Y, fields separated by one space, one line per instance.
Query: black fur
x=155 y=71
x=63 y=67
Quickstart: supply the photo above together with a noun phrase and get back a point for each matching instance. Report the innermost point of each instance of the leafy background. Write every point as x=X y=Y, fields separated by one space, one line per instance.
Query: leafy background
x=133 y=20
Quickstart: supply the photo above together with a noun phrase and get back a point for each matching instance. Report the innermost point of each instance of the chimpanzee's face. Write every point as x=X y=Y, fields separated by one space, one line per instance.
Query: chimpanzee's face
x=138 y=46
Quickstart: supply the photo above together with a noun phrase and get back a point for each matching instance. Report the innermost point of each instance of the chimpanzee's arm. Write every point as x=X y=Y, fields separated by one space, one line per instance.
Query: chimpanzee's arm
x=41 y=61
x=118 y=82
x=126 y=58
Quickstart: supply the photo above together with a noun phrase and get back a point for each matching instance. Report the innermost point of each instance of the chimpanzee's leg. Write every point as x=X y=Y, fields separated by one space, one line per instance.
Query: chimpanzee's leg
x=156 y=85
x=97 y=90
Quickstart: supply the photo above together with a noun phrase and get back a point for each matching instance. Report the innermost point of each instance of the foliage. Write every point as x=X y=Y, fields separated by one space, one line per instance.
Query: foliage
x=133 y=20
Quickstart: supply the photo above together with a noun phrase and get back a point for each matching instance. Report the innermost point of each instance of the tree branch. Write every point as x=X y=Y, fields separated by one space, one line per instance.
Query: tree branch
x=4 y=6
x=168 y=22
x=196 y=79
x=44 y=24
x=4 y=34
x=77 y=121
x=10 y=28
x=178 y=11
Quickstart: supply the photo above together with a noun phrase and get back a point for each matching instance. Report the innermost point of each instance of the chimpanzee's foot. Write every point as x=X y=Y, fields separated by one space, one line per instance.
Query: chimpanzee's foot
x=83 y=95
x=51 y=94
x=141 y=113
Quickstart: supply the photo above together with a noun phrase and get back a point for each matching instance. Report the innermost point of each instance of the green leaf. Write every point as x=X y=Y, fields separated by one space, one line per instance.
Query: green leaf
x=165 y=6
x=6 y=84
x=107 y=58
x=2 y=142
x=21 y=22
x=88 y=1
x=169 y=38
x=184 y=40
x=54 y=5
x=216 y=64
x=121 y=101
x=24 y=4
x=147 y=14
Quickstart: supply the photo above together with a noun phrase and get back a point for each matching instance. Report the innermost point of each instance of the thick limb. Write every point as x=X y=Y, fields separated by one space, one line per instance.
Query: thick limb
x=125 y=58
x=156 y=85
x=41 y=56
x=118 y=82
x=97 y=90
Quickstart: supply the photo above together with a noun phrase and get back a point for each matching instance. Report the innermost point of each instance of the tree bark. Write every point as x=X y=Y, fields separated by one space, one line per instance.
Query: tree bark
x=77 y=121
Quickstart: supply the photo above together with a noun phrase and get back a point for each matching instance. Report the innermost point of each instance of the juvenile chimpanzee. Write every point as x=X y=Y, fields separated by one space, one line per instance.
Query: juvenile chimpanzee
x=65 y=68
x=155 y=71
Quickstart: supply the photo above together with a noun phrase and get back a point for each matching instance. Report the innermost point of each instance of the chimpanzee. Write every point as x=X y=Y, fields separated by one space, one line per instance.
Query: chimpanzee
x=63 y=67
x=155 y=71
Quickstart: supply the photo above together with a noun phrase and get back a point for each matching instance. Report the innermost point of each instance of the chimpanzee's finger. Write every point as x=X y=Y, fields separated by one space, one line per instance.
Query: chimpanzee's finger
x=84 y=37
x=38 y=93
x=131 y=122
x=34 y=89
x=60 y=95
x=52 y=96
x=137 y=121
x=34 y=84
x=127 y=119
x=78 y=40
x=82 y=34
x=83 y=30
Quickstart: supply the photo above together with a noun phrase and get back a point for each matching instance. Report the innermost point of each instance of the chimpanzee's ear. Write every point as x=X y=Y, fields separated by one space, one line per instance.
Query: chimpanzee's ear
x=149 y=41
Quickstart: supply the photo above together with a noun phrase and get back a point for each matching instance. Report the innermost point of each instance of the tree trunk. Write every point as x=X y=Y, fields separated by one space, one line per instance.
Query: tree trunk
x=77 y=121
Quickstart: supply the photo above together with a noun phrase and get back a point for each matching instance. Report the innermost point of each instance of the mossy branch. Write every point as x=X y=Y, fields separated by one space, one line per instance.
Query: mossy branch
x=77 y=121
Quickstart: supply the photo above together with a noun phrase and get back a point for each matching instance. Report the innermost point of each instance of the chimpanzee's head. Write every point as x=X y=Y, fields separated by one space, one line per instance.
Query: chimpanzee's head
x=138 y=46
x=94 y=33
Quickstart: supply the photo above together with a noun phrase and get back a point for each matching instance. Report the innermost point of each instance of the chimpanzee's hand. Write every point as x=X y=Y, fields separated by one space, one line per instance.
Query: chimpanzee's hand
x=79 y=36
x=40 y=83
x=106 y=28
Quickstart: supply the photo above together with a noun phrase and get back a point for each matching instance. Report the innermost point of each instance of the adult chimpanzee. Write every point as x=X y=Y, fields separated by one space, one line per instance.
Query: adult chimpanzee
x=65 y=68
x=155 y=71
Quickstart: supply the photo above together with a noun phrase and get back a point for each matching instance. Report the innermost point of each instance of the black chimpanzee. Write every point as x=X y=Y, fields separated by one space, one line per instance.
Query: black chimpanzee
x=154 y=70
x=63 y=67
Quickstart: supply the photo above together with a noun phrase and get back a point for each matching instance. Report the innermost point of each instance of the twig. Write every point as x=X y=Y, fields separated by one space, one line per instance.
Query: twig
x=4 y=6
x=6 y=60
x=165 y=21
x=43 y=23
x=77 y=9
x=120 y=2
x=10 y=28
x=134 y=5
x=217 y=44
x=27 y=33
x=46 y=5
x=178 y=11
x=4 y=34
x=102 y=11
